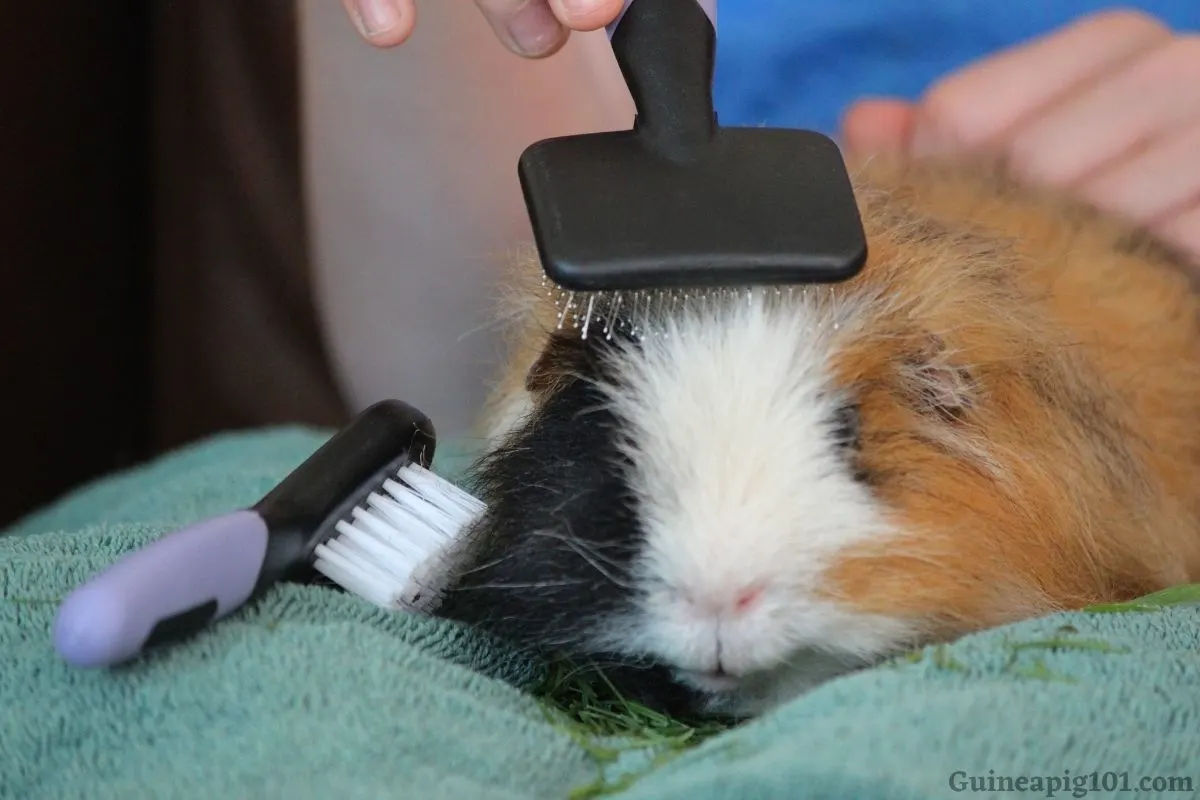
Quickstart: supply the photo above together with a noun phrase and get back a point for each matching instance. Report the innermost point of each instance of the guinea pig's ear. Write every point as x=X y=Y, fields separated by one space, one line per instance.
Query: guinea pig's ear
x=936 y=382
x=560 y=361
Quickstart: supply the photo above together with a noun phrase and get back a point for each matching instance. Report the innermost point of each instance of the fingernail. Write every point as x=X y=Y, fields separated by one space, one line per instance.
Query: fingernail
x=535 y=30
x=581 y=9
x=376 y=16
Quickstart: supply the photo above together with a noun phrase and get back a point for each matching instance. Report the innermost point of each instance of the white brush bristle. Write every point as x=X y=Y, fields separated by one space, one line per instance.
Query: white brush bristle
x=395 y=532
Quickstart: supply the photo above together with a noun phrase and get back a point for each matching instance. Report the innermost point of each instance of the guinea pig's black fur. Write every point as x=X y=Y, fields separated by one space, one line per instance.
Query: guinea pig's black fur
x=550 y=558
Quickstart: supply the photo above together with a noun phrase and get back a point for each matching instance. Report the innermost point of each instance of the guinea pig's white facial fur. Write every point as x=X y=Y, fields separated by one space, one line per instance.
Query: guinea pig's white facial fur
x=744 y=493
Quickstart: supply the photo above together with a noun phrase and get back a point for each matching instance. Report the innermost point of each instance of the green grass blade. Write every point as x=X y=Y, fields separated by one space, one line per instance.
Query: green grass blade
x=1185 y=594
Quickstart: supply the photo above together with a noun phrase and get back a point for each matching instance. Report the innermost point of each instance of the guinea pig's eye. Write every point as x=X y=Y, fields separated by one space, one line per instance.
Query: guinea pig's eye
x=846 y=422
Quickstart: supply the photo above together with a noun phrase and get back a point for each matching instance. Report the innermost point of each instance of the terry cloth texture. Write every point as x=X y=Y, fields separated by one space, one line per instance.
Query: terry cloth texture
x=314 y=694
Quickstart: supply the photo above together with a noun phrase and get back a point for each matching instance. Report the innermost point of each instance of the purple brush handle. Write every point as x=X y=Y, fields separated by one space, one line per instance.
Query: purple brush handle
x=709 y=6
x=173 y=586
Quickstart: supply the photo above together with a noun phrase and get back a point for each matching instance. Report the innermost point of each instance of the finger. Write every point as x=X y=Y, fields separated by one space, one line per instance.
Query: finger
x=1151 y=97
x=977 y=106
x=586 y=15
x=1183 y=231
x=1157 y=182
x=383 y=23
x=878 y=126
x=527 y=27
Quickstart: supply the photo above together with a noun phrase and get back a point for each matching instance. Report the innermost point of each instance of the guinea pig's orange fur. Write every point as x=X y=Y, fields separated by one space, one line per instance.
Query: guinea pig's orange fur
x=1072 y=345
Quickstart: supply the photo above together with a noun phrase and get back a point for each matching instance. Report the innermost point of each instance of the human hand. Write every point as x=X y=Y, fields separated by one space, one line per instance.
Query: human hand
x=1107 y=107
x=530 y=28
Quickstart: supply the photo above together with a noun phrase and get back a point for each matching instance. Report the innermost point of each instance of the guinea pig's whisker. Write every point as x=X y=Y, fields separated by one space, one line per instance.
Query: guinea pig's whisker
x=593 y=548
x=557 y=511
x=595 y=409
x=520 y=585
x=592 y=558
x=486 y=565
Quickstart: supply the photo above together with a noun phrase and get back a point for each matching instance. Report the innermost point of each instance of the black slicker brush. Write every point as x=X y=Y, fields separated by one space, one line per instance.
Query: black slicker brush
x=630 y=222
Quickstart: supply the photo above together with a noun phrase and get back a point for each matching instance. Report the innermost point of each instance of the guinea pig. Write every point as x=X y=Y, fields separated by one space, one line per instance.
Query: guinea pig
x=998 y=418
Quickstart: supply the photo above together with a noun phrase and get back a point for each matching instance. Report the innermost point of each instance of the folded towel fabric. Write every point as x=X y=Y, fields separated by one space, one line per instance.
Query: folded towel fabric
x=314 y=694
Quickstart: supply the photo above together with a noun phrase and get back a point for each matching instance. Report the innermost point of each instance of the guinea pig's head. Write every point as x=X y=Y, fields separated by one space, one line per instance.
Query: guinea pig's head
x=769 y=489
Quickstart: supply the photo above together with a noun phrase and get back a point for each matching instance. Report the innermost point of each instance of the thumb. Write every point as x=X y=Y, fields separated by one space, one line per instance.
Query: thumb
x=383 y=23
x=539 y=28
x=878 y=126
x=586 y=15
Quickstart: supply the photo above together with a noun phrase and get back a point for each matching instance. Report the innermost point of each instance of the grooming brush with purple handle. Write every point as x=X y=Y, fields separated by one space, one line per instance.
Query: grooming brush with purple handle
x=187 y=580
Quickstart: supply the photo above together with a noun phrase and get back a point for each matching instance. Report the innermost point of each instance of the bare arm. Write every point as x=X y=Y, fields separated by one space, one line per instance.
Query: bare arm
x=414 y=203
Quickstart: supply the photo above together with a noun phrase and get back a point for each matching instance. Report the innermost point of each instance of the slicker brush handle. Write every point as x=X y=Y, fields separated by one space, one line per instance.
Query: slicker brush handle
x=709 y=7
x=666 y=50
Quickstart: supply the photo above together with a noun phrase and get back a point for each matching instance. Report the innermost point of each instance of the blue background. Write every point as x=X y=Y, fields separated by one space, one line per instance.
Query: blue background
x=801 y=63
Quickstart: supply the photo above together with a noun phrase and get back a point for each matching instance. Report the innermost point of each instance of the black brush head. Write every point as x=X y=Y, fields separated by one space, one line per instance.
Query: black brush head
x=303 y=510
x=678 y=201
x=756 y=206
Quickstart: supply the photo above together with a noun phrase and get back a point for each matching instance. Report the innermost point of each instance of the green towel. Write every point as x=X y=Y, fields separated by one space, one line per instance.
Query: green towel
x=314 y=694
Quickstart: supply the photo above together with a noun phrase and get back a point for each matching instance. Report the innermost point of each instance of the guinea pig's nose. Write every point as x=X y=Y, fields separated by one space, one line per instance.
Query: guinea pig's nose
x=724 y=603
x=746 y=599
